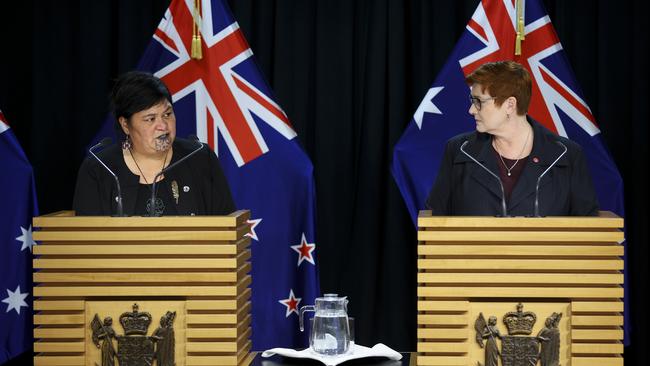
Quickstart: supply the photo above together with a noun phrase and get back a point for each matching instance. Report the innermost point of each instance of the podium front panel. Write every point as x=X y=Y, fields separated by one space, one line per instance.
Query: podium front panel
x=162 y=290
x=512 y=290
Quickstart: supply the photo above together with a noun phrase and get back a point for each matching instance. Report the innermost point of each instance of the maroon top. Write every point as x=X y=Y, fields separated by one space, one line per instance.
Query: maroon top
x=509 y=182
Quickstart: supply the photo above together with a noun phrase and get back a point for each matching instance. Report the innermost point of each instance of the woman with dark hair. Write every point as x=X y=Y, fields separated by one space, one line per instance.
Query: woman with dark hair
x=144 y=116
x=495 y=169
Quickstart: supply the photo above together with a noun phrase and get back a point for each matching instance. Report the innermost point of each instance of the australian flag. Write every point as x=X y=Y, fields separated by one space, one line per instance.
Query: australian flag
x=557 y=101
x=224 y=99
x=17 y=207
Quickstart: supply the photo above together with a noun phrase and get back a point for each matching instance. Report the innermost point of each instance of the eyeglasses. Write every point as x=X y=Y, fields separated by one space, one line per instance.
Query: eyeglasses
x=478 y=102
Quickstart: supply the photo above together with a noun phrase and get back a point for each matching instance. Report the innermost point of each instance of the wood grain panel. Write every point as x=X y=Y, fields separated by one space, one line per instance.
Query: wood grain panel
x=597 y=306
x=521 y=278
x=596 y=334
x=144 y=277
x=219 y=346
x=521 y=292
x=454 y=306
x=597 y=348
x=205 y=260
x=140 y=236
x=59 y=347
x=219 y=304
x=58 y=360
x=142 y=250
x=141 y=263
x=442 y=360
x=532 y=260
x=523 y=236
x=66 y=219
x=228 y=332
x=443 y=333
x=59 y=305
x=135 y=291
x=600 y=361
x=522 y=264
x=58 y=319
x=446 y=319
x=443 y=347
x=597 y=320
x=604 y=220
x=58 y=333
x=550 y=251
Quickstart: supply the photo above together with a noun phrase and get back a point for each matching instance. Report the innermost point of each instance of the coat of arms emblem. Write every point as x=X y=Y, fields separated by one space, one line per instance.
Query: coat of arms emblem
x=135 y=348
x=518 y=348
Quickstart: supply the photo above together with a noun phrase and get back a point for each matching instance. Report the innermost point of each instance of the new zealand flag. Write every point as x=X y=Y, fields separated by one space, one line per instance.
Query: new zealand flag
x=223 y=99
x=557 y=101
x=17 y=207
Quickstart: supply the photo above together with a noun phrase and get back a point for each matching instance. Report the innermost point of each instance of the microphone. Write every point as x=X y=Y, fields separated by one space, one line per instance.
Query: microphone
x=106 y=141
x=152 y=205
x=544 y=173
x=504 y=210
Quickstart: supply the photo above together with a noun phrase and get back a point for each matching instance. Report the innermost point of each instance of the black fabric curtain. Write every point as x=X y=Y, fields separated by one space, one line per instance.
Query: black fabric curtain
x=349 y=75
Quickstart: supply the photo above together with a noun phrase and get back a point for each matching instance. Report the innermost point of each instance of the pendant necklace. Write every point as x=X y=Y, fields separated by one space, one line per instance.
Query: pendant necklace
x=159 y=206
x=516 y=161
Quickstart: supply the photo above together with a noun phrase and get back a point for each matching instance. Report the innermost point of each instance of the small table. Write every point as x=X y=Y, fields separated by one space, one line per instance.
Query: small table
x=276 y=360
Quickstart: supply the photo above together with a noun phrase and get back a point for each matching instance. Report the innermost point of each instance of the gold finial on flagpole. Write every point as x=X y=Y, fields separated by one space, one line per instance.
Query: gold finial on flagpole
x=521 y=35
x=197 y=52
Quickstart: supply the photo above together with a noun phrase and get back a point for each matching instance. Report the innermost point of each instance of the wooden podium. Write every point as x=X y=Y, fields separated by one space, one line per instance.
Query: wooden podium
x=468 y=266
x=193 y=268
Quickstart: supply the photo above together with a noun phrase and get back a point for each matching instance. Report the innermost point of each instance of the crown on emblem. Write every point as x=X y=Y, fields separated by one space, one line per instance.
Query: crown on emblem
x=135 y=322
x=519 y=322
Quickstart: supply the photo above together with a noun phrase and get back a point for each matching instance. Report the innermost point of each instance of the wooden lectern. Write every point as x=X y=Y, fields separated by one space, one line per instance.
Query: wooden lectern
x=532 y=275
x=153 y=276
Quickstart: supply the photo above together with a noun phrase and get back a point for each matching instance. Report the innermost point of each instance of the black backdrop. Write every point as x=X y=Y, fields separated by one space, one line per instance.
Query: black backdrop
x=349 y=74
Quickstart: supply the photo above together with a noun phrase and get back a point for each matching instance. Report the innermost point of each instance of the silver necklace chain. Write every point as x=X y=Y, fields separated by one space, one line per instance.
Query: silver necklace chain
x=519 y=156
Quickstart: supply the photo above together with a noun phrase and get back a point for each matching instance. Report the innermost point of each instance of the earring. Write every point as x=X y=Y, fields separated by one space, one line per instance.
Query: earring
x=507 y=115
x=126 y=144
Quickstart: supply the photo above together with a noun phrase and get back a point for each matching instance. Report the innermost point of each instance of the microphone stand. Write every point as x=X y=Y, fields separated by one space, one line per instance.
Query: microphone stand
x=543 y=174
x=152 y=205
x=102 y=143
x=504 y=209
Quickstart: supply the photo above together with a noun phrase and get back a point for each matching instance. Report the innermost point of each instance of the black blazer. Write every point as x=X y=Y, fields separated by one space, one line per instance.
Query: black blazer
x=202 y=185
x=464 y=188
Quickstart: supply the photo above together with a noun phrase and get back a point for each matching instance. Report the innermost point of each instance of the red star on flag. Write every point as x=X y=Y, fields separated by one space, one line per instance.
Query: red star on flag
x=253 y=223
x=304 y=251
x=291 y=303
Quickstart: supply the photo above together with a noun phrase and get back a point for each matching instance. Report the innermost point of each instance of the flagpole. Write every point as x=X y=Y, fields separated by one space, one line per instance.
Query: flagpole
x=521 y=35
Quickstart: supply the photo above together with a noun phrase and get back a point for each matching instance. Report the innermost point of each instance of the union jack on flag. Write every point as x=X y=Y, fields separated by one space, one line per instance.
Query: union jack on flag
x=557 y=101
x=224 y=100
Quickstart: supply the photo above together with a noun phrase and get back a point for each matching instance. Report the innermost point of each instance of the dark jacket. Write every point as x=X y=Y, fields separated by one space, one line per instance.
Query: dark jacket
x=464 y=188
x=202 y=185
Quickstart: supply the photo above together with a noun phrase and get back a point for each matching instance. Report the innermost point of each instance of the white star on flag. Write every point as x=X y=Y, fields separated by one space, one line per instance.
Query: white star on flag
x=304 y=251
x=26 y=238
x=291 y=303
x=427 y=106
x=253 y=223
x=15 y=300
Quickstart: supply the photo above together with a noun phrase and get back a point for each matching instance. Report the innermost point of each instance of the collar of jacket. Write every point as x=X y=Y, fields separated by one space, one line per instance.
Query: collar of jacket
x=545 y=151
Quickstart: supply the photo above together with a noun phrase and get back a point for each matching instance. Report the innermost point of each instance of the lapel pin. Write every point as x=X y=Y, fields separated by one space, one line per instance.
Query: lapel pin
x=186 y=189
x=175 y=192
x=535 y=159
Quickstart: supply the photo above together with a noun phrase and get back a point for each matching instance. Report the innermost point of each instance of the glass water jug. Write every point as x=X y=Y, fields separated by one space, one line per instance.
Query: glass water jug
x=330 y=334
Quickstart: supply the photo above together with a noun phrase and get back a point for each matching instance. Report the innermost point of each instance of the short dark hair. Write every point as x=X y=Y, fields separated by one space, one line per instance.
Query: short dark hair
x=136 y=91
x=504 y=79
